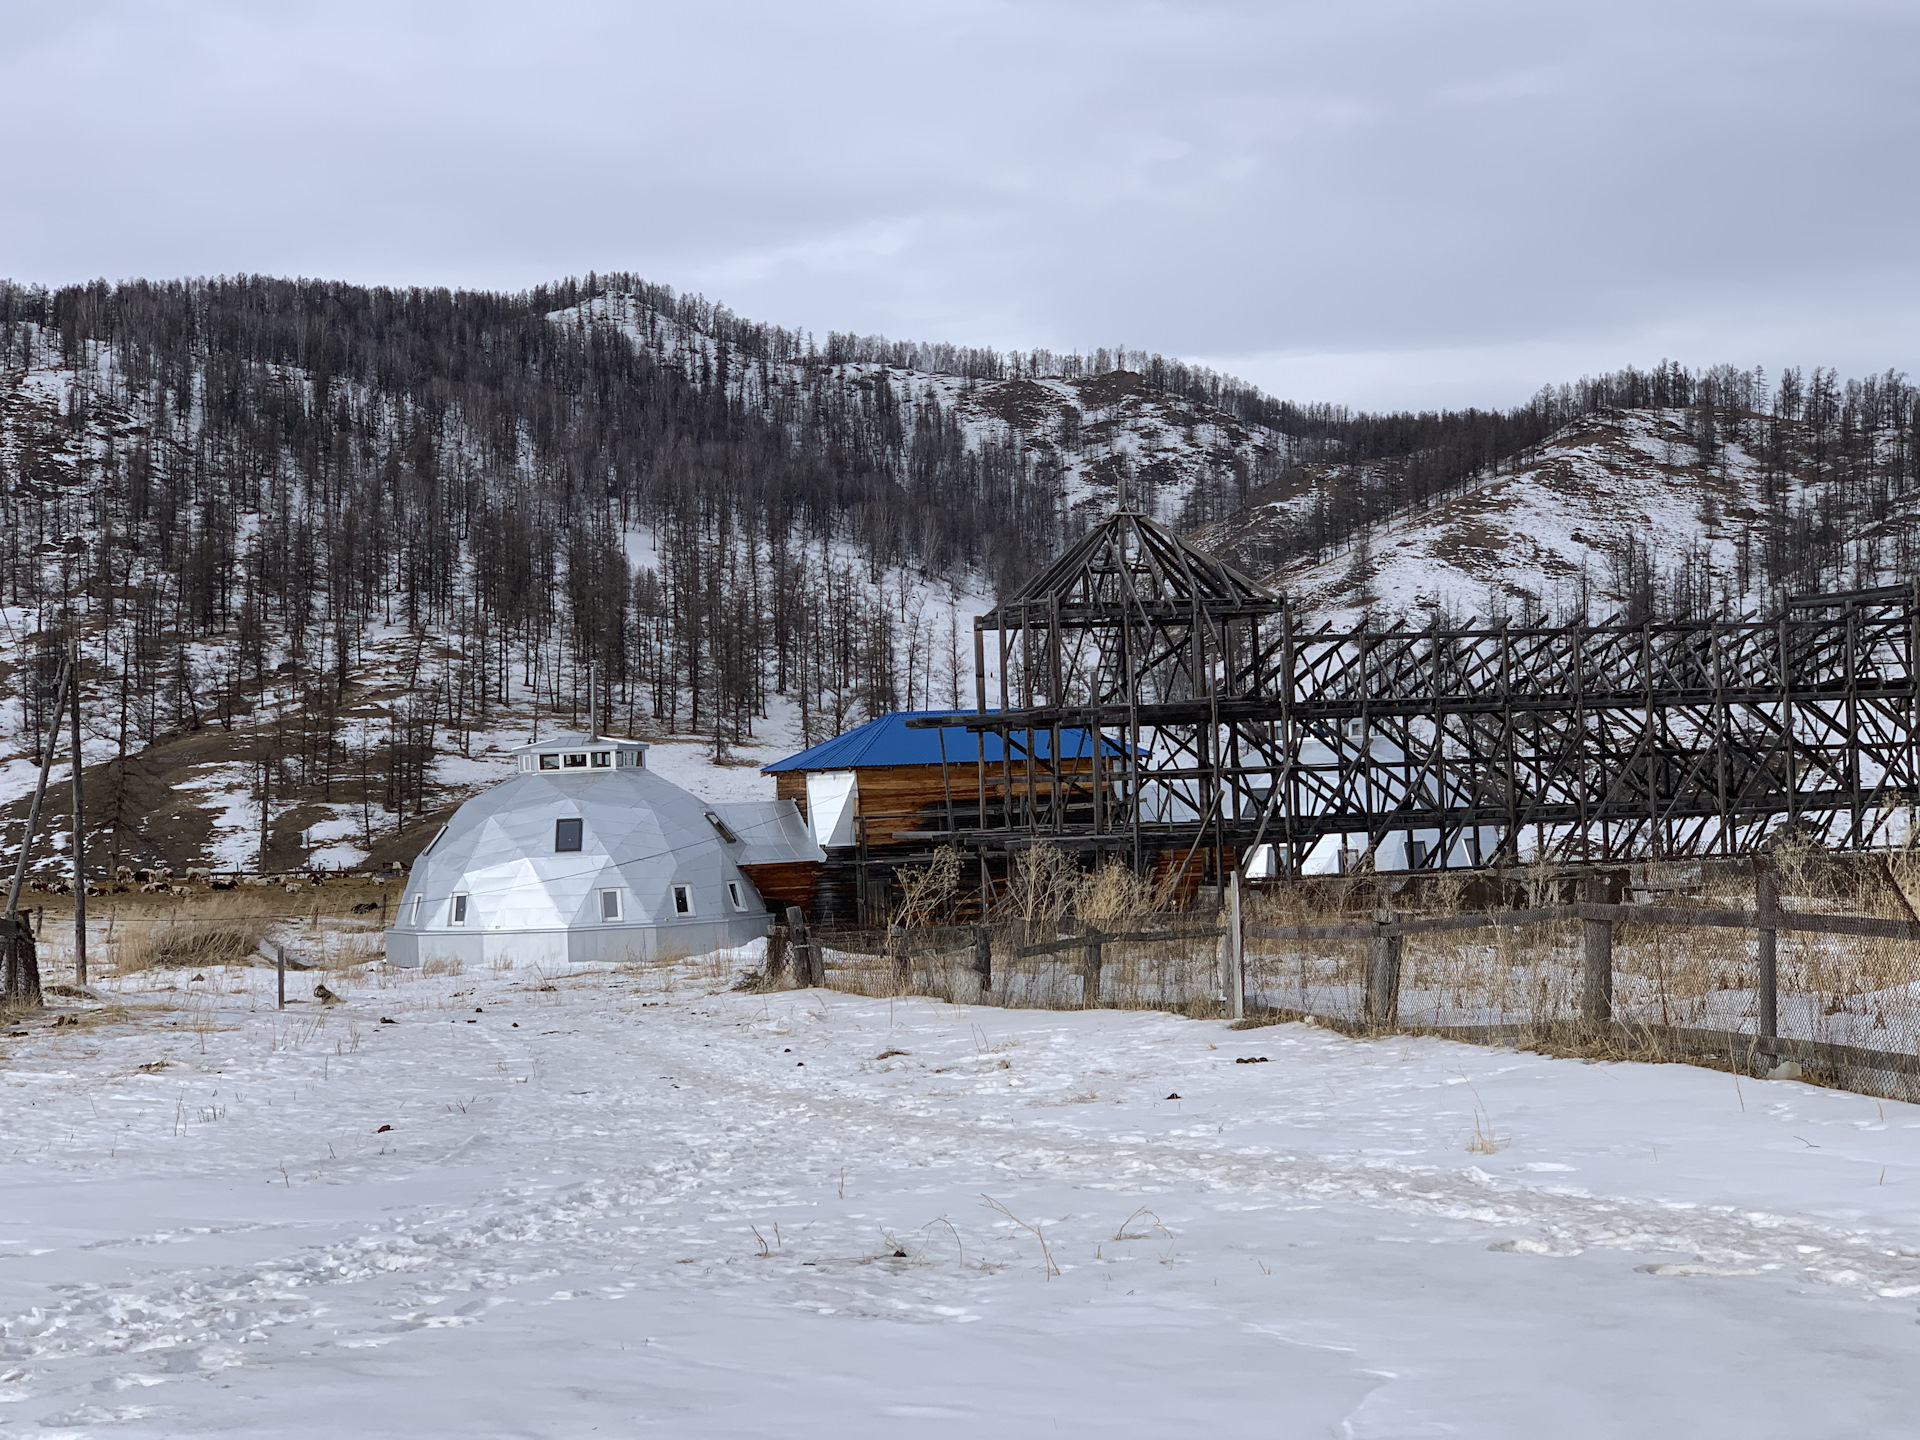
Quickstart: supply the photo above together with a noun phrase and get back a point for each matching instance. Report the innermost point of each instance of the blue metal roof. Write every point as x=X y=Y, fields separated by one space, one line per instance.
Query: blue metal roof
x=888 y=741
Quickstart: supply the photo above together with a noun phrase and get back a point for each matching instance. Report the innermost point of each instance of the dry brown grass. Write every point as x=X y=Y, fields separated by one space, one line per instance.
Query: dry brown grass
x=346 y=950
x=175 y=945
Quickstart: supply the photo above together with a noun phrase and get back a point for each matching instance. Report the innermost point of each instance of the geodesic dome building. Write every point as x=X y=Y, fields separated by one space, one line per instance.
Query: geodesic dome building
x=584 y=855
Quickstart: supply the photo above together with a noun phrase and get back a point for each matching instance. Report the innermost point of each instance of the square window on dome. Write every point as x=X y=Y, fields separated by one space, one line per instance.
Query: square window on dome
x=567 y=835
x=577 y=760
x=549 y=762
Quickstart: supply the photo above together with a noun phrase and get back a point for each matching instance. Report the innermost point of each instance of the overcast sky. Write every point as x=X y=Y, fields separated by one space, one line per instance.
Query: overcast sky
x=1382 y=204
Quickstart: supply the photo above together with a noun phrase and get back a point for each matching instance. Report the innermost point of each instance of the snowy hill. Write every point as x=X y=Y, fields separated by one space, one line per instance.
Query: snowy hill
x=326 y=578
x=329 y=551
x=1097 y=435
x=1615 y=514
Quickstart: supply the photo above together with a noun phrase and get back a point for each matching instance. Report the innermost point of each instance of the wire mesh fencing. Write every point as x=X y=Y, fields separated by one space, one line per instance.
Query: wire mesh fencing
x=1802 y=986
x=1169 y=963
x=1823 y=979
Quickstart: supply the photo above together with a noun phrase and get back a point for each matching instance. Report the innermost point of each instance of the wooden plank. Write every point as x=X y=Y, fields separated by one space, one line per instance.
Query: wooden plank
x=1494 y=919
x=1381 y=1006
x=790 y=882
x=1675 y=1041
x=1768 y=903
x=1596 y=999
x=1314 y=932
x=1864 y=925
x=1129 y=937
x=1870 y=926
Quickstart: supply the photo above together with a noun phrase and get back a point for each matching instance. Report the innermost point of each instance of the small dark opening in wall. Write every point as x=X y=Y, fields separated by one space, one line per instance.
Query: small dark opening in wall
x=566 y=835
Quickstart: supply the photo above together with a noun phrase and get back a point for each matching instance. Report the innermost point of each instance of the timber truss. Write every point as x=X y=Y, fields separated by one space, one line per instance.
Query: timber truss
x=1225 y=726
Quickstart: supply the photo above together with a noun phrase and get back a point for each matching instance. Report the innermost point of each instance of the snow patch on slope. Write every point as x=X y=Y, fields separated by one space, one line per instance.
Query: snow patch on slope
x=1576 y=519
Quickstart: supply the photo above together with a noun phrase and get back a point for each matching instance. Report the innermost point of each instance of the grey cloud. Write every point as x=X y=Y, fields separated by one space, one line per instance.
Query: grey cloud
x=1346 y=192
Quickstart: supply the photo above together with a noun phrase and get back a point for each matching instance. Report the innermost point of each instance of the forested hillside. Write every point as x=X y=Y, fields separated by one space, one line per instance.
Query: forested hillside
x=327 y=547
x=1662 y=495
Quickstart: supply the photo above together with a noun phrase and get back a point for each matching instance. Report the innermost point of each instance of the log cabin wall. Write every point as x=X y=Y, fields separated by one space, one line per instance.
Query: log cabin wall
x=908 y=792
x=906 y=802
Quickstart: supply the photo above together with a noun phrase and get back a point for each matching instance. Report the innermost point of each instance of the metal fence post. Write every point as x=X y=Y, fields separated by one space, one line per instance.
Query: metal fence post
x=280 y=973
x=1767 y=908
x=1382 y=1005
x=1597 y=944
x=983 y=957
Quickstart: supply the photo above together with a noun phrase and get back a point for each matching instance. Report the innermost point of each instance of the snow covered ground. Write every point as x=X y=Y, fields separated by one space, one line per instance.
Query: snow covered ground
x=635 y=1202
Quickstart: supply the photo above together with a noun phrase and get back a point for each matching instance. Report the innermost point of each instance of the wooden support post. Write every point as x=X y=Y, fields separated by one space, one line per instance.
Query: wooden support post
x=1091 y=959
x=776 y=951
x=1382 y=1005
x=23 y=964
x=797 y=943
x=1597 y=944
x=1767 y=909
x=79 y=838
x=22 y=968
x=983 y=956
x=1236 y=953
x=808 y=967
x=899 y=947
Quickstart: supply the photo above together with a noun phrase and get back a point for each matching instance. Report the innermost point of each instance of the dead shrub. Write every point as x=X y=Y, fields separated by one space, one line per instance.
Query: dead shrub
x=1045 y=886
x=928 y=891
x=351 y=950
x=1114 y=898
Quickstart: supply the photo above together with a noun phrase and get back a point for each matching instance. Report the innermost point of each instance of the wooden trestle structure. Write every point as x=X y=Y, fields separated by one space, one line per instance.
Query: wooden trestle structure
x=1233 y=727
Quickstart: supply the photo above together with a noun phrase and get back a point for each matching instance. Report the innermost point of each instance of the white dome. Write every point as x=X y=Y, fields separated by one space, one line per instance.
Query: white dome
x=577 y=864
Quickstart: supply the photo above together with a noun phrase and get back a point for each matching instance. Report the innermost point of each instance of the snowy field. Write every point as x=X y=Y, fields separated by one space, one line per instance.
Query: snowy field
x=638 y=1203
